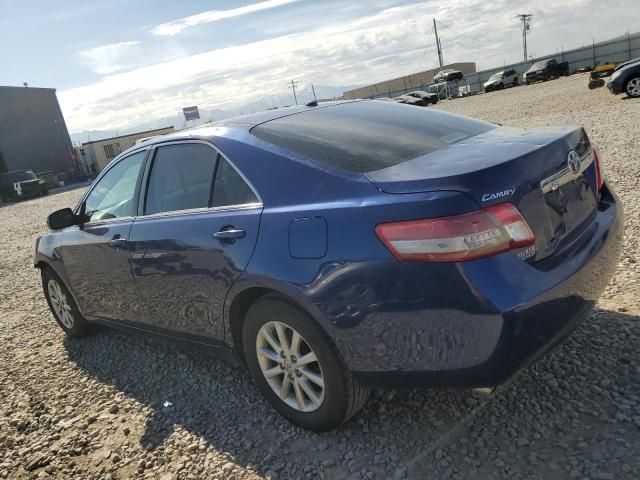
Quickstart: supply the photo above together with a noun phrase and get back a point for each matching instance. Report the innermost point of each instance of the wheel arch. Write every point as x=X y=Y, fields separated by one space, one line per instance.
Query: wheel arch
x=41 y=263
x=241 y=298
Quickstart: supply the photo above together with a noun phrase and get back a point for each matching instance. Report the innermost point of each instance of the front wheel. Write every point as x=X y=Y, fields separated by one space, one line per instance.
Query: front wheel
x=632 y=87
x=297 y=368
x=62 y=305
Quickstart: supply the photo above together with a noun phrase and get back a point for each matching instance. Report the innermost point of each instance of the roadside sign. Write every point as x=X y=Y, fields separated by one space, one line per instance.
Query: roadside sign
x=191 y=113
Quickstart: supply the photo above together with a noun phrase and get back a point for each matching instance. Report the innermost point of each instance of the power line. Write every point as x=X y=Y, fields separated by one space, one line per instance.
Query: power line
x=463 y=34
x=525 y=18
x=293 y=85
x=496 y=46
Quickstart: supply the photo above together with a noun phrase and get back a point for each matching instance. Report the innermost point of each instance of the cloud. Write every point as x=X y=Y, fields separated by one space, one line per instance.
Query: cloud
x=382 y=44
x=229 y=77
x=107 y=59
x=177 y=26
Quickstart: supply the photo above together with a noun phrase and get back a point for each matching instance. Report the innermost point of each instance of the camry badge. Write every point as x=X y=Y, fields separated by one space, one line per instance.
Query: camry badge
x=493 y=196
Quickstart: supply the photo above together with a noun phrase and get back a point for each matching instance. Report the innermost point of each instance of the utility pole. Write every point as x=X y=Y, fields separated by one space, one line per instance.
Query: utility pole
x=314 y=93
x=525 y=18
x=293 y=86
x=438 y=45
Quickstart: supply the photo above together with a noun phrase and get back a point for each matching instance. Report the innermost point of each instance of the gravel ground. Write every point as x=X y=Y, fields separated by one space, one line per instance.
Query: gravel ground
x=95 y=408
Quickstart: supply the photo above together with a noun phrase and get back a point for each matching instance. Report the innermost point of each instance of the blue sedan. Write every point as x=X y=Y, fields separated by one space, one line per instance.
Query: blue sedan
x=339 y=247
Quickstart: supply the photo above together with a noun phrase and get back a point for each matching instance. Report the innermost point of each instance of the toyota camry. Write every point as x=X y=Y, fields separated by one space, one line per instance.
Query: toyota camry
x=338 y=247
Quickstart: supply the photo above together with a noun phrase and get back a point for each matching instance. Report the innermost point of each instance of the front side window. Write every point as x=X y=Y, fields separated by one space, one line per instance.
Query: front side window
x=114 y=194
x=180 y=178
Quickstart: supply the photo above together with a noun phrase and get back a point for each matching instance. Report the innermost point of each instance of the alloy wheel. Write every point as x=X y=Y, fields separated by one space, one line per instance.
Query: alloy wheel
x=60 y=304
x=290 y=366
x=633 y=87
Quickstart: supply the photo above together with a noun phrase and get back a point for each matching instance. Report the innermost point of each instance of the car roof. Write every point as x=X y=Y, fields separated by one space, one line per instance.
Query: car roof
x=238 y=123
x=633 y=61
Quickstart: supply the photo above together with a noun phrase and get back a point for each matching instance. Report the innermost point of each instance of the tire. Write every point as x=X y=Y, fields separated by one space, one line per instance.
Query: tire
x=340 y=396
x=55 y=291
x=501 y=86
x=515 y=82
x=632 y=87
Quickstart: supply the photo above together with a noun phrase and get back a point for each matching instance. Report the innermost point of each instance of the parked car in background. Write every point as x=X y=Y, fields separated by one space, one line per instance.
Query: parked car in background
x=448 y=75
x=426 y=96
x=626 y=79
x=411 y=100
x=21 y=184
x=545 y=70
x=500 y=80
x=599 y=73
x=383 y=246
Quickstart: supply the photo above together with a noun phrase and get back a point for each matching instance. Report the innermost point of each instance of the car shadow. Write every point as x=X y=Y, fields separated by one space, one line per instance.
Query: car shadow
x=216 y=401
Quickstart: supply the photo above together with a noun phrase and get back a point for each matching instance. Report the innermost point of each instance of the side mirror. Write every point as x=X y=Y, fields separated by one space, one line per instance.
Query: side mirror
x=62 y=219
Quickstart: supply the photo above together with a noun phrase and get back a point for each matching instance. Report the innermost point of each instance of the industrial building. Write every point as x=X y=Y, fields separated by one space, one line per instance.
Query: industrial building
x=415 y=81
x=33 y=134
x=97 y=154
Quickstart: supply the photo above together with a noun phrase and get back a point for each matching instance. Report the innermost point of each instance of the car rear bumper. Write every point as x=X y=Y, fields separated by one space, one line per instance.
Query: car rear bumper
x=501 y=315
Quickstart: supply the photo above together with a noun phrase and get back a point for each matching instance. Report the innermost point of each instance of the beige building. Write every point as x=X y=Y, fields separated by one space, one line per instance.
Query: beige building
x=97 y=154
x=398 y=86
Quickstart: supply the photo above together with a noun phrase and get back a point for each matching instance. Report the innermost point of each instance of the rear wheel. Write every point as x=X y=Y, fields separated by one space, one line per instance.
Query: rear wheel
x=296 y=367
x=632 y=87
x=62 y=305
x=515 y=82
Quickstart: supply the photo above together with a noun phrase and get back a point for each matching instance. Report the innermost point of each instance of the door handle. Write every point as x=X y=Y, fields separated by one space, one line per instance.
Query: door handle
x=118 y=242
x=230 y=235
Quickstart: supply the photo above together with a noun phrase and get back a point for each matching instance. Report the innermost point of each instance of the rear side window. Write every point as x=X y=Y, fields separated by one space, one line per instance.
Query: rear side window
x=230 y=188
x=367 y=136
x=181 y=178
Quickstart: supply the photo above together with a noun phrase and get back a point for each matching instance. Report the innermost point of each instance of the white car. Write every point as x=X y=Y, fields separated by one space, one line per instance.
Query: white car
x=500 y=80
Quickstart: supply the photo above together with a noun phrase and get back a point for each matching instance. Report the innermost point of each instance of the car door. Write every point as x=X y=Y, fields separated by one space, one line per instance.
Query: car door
x=96 y=254
x=196 y=235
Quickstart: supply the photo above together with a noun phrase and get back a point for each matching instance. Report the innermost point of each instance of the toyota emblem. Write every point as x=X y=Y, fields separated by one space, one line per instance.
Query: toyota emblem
x=573 y=160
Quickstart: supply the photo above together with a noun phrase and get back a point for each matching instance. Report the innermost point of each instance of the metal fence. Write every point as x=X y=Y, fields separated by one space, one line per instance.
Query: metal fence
x=618 y=50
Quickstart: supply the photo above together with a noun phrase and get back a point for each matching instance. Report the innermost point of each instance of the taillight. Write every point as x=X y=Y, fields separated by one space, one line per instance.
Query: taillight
x=477 y=234
x=597 y=160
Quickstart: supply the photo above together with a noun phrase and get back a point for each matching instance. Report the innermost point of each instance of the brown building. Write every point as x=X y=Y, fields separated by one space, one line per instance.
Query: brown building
x=398 y=86
x=97 y=154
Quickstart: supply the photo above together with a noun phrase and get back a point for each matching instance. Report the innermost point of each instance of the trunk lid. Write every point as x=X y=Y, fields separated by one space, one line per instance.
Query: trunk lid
x=527 y=167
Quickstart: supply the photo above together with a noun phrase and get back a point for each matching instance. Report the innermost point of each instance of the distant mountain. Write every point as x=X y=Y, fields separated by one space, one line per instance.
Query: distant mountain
x=304 y=95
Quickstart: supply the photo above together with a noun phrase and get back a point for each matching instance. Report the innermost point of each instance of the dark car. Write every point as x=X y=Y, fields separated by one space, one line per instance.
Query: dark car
x=429 y=98
x=545 y=70
x=21 y=184
x=448 y=75
x=345 y=246
x=626 y=79
x=411 y=100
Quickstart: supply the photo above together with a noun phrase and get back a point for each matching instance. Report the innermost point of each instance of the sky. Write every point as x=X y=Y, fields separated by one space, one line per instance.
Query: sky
x=121 y=63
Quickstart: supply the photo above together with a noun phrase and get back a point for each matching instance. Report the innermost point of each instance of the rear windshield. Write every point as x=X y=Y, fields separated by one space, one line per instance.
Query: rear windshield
x=539 y=65
x=369 y=135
